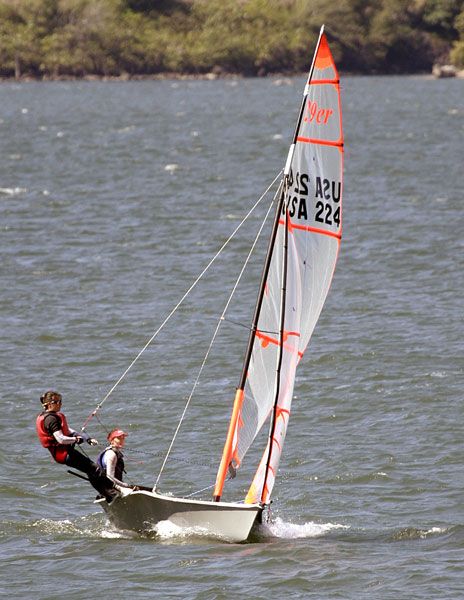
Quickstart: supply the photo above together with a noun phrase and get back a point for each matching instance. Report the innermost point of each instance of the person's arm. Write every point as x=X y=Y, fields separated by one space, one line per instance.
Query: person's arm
x=85 y=436
x=64 y=439
x=52 y=424
x=75 y=433
x=78 y=437
x=111 y=461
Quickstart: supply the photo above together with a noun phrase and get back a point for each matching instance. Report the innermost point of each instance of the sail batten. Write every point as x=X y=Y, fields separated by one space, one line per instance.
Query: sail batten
x=303 y=140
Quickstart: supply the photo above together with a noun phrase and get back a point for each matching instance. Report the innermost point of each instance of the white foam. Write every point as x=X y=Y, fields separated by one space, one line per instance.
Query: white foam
x=432 y=531
x=439 y=374
x=282 y=529
x=12 y=191
x=167 y=530
x=51 y=526
x=111 y=535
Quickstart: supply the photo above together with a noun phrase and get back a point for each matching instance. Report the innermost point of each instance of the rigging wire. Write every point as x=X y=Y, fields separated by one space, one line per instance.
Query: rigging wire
x=199 y=491
x=218 y=325
x=208 y=487
x=187 y=461
x=100 y=404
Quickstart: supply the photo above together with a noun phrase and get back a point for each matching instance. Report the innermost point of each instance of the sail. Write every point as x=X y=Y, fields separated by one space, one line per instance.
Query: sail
x=302 y=262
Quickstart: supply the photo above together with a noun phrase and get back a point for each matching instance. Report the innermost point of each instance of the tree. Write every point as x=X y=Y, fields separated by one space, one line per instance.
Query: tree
x=19 y=43
x=457 y=53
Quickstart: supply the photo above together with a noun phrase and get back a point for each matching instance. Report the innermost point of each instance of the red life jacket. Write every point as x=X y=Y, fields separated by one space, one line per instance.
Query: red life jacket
x=58 y=451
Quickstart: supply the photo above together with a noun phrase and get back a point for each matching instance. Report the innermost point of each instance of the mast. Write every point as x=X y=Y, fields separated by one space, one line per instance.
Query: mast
x=230 y=444
x=284 y=268
x=281 y=338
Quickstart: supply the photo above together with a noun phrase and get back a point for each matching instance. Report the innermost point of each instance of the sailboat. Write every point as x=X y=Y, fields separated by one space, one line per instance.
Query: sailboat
x=298 y=269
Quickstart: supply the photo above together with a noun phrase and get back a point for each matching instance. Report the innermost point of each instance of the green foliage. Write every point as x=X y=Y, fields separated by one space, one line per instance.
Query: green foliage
x=440 y=16
x=457 y=53
x=52 y=38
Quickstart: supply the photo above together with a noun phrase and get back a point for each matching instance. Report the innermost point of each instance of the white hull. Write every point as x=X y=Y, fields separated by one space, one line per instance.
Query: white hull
x=142 y=510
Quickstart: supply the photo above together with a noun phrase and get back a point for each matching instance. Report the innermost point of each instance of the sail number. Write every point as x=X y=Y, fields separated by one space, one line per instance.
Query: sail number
x=327 y=196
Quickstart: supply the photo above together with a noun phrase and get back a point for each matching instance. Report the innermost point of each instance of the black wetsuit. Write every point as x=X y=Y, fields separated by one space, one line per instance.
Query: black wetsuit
x=81 y=462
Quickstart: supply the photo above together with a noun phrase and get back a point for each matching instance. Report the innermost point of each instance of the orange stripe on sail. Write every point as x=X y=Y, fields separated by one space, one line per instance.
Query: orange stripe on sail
x=305 y=140
x=267 y=339
x=337 y=236
x=282 y=411
x=325 y=81
x=277 y=444
x=289 y=224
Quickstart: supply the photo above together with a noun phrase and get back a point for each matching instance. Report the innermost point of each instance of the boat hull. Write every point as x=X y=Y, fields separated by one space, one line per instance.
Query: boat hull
x=141 y=511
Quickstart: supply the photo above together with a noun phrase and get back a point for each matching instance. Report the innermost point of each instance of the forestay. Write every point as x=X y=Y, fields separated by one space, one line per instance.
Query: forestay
x=302 y=257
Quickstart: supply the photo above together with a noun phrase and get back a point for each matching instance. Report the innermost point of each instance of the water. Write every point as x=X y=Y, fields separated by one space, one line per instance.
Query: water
x=113 y=198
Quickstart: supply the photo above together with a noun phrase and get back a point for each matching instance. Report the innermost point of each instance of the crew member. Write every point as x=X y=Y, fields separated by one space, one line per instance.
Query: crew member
x=56 y=435
x=111 y=460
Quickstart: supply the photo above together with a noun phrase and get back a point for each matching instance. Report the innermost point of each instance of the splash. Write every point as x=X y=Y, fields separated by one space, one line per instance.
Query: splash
x=285 y=530
x=91 y=526
x=167 y=530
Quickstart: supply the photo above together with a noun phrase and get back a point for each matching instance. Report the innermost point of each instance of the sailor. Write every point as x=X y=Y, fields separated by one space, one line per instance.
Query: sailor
x=111 y=460
x=56 y=435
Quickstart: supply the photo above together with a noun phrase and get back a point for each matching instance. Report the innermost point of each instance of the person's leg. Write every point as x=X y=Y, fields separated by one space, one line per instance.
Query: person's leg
x=97 y=477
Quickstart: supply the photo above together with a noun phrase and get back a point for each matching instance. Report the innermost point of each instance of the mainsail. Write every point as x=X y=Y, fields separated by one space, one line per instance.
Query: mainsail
x=301 y=260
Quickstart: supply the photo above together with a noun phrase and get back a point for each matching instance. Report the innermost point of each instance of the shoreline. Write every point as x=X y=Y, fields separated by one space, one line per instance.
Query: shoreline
x=210 y=76
x=207 y=77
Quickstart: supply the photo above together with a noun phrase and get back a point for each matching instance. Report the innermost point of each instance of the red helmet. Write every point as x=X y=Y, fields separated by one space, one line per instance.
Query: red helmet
x=116 y=433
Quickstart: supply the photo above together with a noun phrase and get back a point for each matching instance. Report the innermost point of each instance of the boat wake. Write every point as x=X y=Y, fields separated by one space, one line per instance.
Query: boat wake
x=91 y=526
x=96 y=526
x=165 y=530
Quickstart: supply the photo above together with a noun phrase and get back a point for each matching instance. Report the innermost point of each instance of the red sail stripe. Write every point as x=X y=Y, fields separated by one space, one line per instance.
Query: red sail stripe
x=282 y=411
x=324 y=81
x=305 y=140
x=267 y=339
x=338 y=236
x=277 y=444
